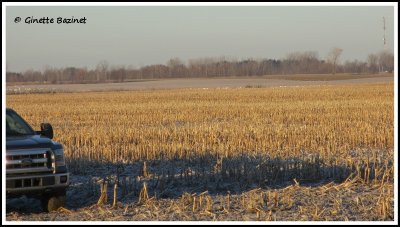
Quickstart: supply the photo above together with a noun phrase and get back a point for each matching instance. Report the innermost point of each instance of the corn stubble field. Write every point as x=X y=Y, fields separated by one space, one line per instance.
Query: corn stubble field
x=292 y=153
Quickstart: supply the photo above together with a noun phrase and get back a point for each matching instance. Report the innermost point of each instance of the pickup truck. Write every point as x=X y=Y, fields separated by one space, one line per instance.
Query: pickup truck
x=35 y=164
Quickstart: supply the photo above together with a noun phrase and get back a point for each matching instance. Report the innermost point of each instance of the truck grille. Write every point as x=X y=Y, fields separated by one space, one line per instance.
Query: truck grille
x=29 y=161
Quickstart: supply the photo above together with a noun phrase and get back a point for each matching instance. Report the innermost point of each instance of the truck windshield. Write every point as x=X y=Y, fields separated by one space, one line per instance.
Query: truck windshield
x=16 y=126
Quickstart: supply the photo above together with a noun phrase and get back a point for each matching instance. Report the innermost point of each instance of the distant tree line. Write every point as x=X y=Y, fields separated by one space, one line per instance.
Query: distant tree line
x=306 y=62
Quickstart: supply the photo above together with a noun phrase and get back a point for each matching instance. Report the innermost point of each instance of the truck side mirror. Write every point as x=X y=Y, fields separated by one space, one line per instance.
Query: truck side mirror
x=46 y=130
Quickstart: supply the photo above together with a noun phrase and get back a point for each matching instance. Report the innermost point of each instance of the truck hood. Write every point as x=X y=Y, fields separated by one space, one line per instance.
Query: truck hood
x=31 y=141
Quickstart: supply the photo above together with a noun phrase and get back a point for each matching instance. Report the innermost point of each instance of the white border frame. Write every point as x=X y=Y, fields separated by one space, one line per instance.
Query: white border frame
x=395 y=6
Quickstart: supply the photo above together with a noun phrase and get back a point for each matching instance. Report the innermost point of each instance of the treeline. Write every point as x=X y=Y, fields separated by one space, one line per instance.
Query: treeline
x=294 y=63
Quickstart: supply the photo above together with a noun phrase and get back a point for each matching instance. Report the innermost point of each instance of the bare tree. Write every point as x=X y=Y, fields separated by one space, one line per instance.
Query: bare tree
x=118 y=74
x=101 y=71
x=386 y=61
x=333 y=57
x=355 y=66
x=296 y=62
x=373 y=63
x=301 y=62
x=50 y=74
x=175 y=65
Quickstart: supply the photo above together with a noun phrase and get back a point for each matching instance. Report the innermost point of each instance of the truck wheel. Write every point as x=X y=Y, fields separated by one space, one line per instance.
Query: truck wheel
x=53 y=202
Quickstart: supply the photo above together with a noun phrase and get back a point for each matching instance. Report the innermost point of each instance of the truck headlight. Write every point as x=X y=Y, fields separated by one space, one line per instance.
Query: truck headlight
x=59 y=157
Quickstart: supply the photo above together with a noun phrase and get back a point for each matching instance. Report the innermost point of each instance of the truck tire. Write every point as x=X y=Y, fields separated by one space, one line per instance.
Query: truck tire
x=52 y=202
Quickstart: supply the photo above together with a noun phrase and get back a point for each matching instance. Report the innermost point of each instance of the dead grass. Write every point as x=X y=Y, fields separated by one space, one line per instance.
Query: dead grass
x=351 y=200
x=304 y=153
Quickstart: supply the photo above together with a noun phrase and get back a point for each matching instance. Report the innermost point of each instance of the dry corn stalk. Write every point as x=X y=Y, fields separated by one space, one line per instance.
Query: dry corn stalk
x=143 y=195
x=103 y=194
x=115 y=194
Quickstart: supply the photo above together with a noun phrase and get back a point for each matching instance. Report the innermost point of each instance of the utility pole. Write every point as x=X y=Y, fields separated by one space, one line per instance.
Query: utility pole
x=384 y=35
x=381 y=68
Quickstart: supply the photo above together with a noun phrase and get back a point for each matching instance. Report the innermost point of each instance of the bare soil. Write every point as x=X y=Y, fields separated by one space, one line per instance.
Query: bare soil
x=205 y=83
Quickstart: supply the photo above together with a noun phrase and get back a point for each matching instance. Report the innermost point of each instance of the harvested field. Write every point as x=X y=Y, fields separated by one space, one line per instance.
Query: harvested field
x=258 y=153
x=266 y=81
x=351 y=200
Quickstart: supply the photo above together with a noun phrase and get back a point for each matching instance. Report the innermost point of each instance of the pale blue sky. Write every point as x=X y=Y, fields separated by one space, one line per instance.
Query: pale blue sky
x=140 y=35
